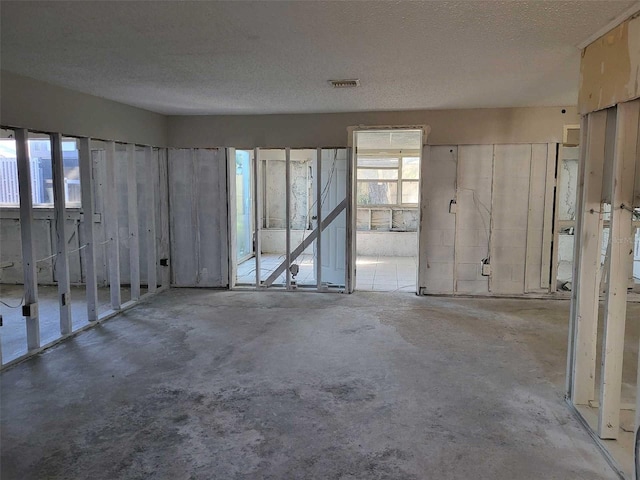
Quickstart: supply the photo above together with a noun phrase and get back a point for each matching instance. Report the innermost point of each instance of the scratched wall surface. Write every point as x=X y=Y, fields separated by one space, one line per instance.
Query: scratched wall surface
x=610 y=68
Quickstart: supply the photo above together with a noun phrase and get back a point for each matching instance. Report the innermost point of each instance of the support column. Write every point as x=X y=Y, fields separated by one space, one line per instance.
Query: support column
x=232 y=215
x=621 y=246
x=571 y=338
x=88 y=207
x=257 y=212
x=61 y=259
x=111 y=225
x=134 y=237
x=586 y=280
x=287 y=210
x=30 y=309
x=350 y=254
x=318 y=258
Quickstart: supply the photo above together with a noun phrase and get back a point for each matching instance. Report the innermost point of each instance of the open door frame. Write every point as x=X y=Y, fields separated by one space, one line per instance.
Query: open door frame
x=352 y=204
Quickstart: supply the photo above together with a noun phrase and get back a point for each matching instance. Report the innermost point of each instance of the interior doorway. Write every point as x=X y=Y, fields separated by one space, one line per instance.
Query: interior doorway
x=387 y=190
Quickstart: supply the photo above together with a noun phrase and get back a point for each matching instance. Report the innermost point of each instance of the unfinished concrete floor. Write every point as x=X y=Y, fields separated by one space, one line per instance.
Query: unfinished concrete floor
x=197 y=384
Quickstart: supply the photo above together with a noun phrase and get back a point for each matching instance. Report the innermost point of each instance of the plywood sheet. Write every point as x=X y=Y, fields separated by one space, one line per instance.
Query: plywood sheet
x=610 y=68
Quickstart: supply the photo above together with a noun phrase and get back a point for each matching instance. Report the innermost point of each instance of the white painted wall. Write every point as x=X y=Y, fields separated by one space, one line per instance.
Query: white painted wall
x=40 y=106
x=448 y=127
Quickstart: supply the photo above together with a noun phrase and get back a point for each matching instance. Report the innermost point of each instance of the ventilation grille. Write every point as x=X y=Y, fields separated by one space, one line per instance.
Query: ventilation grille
x=344 y=83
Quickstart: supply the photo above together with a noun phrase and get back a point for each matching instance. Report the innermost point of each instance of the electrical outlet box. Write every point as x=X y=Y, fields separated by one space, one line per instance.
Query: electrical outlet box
x=486 y=269
x=164 y=262
x=453 y=206
x=30 y=310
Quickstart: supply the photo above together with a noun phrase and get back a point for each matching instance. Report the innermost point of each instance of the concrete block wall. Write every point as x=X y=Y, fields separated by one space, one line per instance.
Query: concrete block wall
x=198 y=217
x=487 y=202
x=438 y=190
x=473 y=220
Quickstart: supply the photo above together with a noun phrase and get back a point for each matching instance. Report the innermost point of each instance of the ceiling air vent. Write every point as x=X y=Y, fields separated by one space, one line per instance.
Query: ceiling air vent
x=344 y=83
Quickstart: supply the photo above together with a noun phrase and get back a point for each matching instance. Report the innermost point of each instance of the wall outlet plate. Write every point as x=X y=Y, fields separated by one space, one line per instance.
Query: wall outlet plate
x=30 y=310
x=486 y=269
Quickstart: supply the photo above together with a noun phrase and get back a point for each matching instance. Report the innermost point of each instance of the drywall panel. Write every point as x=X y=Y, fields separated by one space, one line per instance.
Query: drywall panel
x=473 y=218
x=198 y=217
x=610 y=68
x=509 y=218
x=37 y=105
x=448 y=127
x=439 y=189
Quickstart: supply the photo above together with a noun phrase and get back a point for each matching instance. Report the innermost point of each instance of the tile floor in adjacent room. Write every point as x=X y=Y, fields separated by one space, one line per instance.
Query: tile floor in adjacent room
x=373 y=273
x=386 y=274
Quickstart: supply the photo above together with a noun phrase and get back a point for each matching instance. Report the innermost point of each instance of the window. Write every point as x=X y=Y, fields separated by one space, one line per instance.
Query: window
x=388 y=180
x=41 y=173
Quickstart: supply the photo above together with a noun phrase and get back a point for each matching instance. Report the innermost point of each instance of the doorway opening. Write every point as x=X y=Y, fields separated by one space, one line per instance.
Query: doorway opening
x=387 y=178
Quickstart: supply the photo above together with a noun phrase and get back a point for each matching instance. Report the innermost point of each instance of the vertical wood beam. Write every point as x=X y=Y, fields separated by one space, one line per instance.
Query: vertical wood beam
x=573 y=322
x=134 y=235
x=287 y=213
x=88 y=231
x=257 y=205
x=621 y=245
x=350 y=256
x=637 y=204
x=588 y=240
x=232 y=212
x=28 y=245
x=111 y=225
x=62 y=258
x=152 y=254
x=318 y=258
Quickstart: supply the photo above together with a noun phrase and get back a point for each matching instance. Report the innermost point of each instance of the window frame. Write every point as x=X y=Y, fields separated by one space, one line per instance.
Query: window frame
x=399 y=181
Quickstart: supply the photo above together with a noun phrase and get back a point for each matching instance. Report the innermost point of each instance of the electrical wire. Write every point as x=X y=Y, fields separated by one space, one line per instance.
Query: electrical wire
x=11 y=306
x=477 y=203
x=55 y=254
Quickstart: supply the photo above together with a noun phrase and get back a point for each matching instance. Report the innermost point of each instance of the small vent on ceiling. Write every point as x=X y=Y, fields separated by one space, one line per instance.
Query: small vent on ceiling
x=345 y=83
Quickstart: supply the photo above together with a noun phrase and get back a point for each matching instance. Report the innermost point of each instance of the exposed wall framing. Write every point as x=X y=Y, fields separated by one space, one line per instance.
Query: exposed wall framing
x=608 y=208
x=86 y=231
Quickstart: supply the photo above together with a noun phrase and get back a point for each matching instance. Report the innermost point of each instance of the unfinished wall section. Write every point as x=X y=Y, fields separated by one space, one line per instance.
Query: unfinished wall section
x=602 y=368
x=198 y=201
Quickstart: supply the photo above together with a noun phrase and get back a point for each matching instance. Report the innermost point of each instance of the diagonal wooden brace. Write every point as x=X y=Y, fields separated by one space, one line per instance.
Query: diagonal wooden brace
x=306 y=242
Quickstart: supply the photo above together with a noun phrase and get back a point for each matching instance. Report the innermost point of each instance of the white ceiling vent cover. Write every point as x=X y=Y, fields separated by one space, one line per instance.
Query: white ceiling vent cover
x=345 y=83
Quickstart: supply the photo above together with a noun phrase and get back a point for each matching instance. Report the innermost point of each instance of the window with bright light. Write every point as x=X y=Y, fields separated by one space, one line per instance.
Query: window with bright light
x=41 y=172
x=388 y=180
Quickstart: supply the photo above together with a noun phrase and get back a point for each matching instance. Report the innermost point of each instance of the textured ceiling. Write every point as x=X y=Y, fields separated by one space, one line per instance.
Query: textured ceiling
x=276 y=57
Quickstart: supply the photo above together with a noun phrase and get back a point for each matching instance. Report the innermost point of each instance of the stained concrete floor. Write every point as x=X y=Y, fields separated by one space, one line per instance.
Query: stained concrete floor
x=197 y=384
